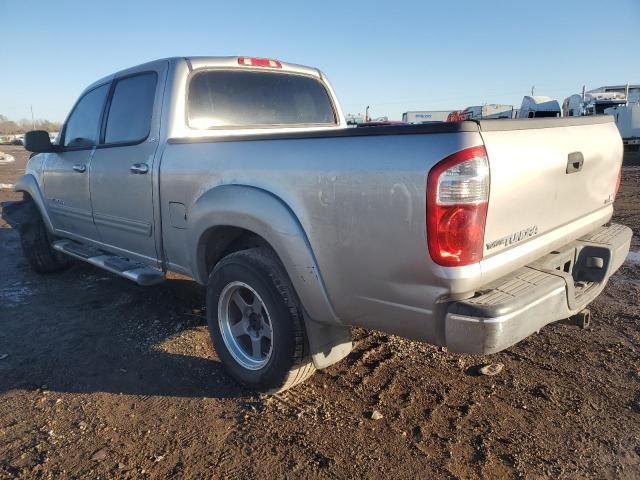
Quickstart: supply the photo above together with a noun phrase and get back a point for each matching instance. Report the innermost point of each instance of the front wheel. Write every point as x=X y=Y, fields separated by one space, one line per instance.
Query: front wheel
x=36 y=243
x=255 y=322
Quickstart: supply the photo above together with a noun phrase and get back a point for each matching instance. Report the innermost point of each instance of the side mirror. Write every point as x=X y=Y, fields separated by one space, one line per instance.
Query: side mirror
x=37 y=141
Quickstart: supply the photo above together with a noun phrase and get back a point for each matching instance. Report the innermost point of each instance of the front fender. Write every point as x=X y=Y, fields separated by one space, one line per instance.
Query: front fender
x=27 y=183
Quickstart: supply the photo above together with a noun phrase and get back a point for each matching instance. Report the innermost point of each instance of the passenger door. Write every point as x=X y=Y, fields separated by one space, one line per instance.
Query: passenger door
x=66 y=172
x=122 y=166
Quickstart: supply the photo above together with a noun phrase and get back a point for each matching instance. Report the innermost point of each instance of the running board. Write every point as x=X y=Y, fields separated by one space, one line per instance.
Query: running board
x=138 y=272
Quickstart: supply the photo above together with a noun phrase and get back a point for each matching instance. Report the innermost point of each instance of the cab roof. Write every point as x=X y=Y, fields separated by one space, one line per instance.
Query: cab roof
x=204 y=62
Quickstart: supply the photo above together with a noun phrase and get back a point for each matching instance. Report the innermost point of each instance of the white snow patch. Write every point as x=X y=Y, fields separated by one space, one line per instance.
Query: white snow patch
x=6 y=186
x=4 y=158
x=633 y=258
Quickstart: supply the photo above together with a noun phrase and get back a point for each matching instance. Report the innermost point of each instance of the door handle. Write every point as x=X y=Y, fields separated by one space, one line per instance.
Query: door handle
x=79 y=168
x=139 y=168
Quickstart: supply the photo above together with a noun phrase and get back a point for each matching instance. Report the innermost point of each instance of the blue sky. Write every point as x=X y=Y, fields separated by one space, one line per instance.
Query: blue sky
x=393 y=56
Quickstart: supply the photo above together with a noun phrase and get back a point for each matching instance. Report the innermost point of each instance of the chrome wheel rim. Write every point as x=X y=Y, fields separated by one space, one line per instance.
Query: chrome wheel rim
x=245 y=325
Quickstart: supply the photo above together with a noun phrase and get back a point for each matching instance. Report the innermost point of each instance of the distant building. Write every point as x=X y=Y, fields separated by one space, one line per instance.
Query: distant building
x=634 y=91
x=597 y=100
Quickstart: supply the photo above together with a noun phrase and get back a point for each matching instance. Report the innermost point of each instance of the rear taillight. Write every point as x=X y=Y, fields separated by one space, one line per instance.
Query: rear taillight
x=457 y=197
x=618 y=181
x=259 y=62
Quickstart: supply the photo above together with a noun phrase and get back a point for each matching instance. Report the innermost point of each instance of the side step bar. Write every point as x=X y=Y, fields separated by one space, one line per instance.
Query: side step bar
x=138 y=272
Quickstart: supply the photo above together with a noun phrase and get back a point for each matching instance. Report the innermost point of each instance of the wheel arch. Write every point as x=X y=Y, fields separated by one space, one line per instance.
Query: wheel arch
x=231 y=213
x=233 y=217
x=28 y=185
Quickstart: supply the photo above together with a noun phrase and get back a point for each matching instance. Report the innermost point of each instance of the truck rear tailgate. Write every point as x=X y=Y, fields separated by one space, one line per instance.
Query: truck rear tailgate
x=547 y=175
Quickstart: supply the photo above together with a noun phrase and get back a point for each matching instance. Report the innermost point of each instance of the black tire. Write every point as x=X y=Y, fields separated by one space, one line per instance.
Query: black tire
x=289 y=363
x=36 y=244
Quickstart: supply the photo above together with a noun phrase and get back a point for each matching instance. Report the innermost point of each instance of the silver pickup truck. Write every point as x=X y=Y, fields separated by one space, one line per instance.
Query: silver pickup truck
x=242 y=174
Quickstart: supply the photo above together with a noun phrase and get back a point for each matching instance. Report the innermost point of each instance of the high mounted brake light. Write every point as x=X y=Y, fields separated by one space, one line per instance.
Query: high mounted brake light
x=457 y=197
x=259 y=62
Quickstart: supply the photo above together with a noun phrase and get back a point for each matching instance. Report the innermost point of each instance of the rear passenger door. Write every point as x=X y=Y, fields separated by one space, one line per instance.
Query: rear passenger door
x=122 y=167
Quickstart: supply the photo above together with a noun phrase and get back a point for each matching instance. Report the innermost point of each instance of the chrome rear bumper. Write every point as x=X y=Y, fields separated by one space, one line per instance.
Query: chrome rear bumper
x=553 y=288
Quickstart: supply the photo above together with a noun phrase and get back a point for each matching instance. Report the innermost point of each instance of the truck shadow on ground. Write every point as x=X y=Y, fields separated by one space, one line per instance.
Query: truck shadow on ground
x=85 y=331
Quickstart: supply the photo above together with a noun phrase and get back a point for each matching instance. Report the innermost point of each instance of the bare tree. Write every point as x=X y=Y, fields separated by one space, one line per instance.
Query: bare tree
x=9 y=127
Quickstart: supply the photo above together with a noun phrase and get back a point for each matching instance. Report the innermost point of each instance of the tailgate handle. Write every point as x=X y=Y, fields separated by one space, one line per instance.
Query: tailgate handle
x=575 y=161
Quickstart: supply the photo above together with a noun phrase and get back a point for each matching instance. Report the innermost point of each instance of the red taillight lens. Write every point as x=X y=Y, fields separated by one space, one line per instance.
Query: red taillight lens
x=457 y=196
x=259 y=62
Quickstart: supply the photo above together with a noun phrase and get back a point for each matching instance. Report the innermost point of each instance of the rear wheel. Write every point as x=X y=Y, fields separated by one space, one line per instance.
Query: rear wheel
x=255 y=322
x=36 y=243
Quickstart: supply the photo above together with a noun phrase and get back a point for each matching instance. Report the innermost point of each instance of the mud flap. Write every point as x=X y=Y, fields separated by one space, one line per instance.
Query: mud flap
x=328 y=343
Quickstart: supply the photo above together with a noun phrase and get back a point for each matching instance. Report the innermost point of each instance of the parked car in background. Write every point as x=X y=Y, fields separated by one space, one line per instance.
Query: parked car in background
x=242 y=174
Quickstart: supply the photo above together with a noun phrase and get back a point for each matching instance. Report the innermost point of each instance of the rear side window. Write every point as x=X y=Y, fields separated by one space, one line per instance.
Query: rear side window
x=82 y=127
x=129 y=118
x=227 y=99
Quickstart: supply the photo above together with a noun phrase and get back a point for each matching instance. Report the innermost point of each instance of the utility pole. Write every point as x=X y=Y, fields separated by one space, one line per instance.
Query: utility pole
x=533 y=87
x=33 y=122
x=366 y=114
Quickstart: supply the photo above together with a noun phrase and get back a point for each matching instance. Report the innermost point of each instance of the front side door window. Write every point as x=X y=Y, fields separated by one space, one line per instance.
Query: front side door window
x=82 y=128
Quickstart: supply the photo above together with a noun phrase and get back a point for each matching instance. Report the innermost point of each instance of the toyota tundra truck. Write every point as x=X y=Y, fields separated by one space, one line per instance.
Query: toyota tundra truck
x=242 y=174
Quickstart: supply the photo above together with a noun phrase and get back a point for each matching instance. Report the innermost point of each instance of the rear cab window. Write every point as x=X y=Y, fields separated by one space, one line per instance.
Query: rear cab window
x=219 y=99
x=131 y=109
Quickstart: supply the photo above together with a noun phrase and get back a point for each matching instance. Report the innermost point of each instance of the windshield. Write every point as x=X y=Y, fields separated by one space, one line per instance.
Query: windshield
x=223 y=99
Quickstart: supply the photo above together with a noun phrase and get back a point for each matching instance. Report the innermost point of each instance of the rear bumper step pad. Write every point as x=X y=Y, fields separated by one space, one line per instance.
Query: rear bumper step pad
x=553 y=288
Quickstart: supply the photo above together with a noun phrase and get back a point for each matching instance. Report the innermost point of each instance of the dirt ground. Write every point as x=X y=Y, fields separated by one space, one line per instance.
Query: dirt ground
x=100 y=378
